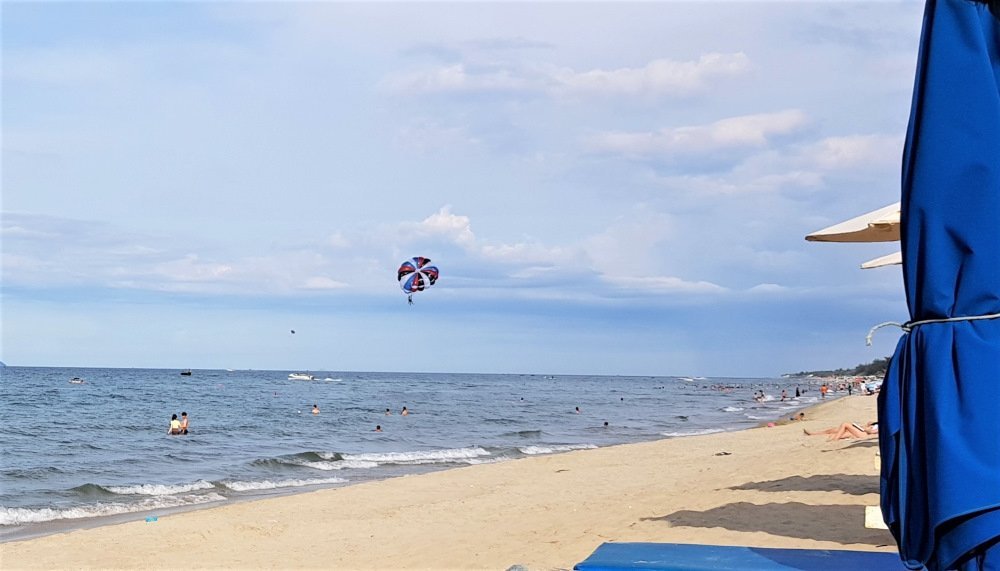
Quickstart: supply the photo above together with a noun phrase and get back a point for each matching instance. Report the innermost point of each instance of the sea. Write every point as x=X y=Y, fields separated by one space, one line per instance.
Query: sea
x=82 y=454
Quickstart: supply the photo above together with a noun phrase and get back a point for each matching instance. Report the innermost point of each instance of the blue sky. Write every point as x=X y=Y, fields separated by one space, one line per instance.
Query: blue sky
x=607 y=188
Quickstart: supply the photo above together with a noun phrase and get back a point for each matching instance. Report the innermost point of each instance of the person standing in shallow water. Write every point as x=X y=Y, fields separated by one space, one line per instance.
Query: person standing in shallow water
x=184 y=423
x=175 y=425
x=404 y=412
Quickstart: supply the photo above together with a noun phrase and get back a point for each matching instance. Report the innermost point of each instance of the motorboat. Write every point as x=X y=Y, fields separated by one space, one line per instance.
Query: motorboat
x=77 y=381
x=186 y=373
x=301 y=377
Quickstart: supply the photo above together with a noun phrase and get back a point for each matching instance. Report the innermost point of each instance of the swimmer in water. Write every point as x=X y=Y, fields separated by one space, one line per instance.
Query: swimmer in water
x=315 y=409
x=404 y=412
x=175 y=425
x=378 y=428
x=388 y=412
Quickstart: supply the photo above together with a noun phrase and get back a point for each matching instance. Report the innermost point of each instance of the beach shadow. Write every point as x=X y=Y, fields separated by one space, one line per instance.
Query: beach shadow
x=862 y=444
x=839 y=524
x=854 y=484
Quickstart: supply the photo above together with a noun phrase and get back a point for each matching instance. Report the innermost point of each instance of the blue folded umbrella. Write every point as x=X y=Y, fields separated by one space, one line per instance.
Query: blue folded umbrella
x=688 y=557
x=939 y=409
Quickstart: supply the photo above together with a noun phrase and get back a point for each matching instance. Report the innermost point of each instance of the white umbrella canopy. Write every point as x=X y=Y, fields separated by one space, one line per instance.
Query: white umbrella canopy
x=880 y=225
x=890 y=260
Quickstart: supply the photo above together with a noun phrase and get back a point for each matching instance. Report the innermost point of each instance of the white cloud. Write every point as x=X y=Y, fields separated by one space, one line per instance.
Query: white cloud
x=855 y=151
x=748 y=131
x=191 y=269
x=458 y=78
x=658 y=77
x=454 y=228
x=322 y=283
x=663 y=284
x=767 y=289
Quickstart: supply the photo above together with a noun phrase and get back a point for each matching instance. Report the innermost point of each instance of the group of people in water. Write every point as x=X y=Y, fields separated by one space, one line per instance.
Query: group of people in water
x=178 y=426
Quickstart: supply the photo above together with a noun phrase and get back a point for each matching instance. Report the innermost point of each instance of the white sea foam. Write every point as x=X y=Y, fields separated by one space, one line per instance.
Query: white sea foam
x=490 y=460
x=551 y=449
x=160 y=489
x=693 y=432
x=17 y=516
x=418 y=457
x=334 y=464
x=375 y=459
x=270 y=485
x=732 y=409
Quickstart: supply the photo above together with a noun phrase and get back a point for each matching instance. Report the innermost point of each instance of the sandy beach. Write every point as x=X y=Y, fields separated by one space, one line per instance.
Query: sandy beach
x=768 y=487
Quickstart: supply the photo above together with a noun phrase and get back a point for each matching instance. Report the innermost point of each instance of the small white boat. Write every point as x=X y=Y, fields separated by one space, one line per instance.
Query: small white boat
x=301 y=377
x=77 y=381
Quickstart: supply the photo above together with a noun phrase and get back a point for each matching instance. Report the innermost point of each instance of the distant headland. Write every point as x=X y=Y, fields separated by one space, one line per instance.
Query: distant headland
x=876 y=368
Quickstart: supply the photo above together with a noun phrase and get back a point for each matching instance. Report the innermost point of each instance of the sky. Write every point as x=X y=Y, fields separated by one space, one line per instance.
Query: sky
x=607 y=188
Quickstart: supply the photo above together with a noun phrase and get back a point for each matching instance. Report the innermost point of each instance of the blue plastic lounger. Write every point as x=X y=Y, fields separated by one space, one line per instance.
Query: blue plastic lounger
x=688 y=557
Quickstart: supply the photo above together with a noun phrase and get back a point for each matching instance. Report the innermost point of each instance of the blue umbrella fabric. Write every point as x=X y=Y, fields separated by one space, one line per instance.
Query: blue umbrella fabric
x=939 y=407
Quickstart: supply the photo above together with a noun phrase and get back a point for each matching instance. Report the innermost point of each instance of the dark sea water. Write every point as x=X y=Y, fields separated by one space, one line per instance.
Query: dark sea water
x=76 y=455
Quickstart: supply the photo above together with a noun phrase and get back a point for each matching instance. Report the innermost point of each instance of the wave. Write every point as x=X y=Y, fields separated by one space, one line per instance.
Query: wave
x=420 y=457
x=343 y=461
x=524 y=434
x=553 y=448
x=732 y=409
x=160 y=489
x=37 y=473
x=693 y=432
x=270 y=485
x=17 y=516
x=334 y=465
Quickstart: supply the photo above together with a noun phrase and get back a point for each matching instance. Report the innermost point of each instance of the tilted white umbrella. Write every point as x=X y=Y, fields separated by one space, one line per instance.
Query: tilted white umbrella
x=889 y=260
x=880 y=225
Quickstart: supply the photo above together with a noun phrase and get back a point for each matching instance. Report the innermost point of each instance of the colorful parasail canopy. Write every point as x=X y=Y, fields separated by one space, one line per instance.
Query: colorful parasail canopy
x=416 y=274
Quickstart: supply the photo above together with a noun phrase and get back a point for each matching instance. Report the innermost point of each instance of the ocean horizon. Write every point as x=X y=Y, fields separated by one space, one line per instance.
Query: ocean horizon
x=96 y=450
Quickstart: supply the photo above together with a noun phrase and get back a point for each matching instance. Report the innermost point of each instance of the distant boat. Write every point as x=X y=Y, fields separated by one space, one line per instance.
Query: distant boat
x=77 y=381
x=301 y=377
x=186 y=373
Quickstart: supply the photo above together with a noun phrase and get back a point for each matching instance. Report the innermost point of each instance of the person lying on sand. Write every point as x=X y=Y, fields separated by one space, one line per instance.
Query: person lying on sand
x=848 y=430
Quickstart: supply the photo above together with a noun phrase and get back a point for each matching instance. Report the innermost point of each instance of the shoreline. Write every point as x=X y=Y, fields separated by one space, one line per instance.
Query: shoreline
x=67 y=525
x=758 y=486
